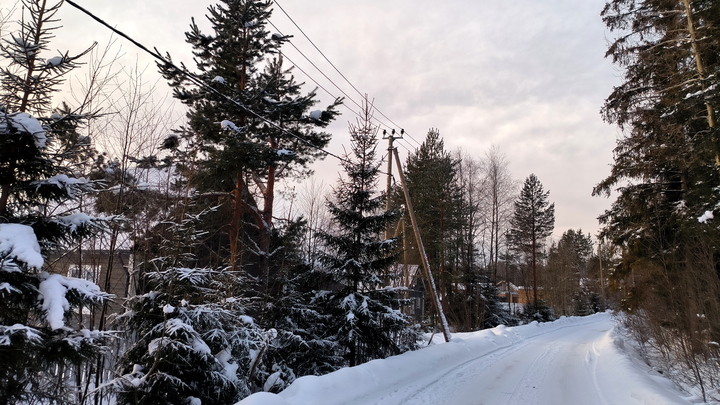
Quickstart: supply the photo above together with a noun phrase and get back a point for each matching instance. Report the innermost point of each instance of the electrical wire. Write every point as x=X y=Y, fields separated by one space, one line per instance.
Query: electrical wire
x=198 y=82
x=347 y=96
x=318 y=84
x=334 y=67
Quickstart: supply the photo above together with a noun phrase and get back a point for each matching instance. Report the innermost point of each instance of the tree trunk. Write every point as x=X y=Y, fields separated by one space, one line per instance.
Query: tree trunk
x=534 y=271
x=702 y=76
x=4 y=196
x=236 y=221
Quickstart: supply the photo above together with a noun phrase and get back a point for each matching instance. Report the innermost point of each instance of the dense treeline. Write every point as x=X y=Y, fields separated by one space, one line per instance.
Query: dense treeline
x=218 y=293
x=666 y=175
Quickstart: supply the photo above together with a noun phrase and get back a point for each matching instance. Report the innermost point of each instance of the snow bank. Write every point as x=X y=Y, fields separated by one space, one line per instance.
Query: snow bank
x=618 y=377
x=621 y=367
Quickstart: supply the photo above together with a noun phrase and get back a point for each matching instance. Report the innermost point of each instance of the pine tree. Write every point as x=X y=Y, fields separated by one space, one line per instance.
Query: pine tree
x=532 y=222
x=433 y=182
x=40 y=155
x=366 y=313
x=253 y=127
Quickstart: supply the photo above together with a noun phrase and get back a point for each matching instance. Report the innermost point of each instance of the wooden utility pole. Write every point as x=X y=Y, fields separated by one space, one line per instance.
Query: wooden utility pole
x=390 y=137
x=421 y=248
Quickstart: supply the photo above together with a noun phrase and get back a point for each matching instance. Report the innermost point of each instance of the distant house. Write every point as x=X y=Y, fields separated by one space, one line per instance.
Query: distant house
x=513 y=294
x=410 y=276
x=508 y=292
x=92 y=265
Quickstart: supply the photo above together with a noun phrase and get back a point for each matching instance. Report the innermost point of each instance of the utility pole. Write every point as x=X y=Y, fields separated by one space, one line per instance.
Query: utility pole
x=421 y=248
x=390 y=137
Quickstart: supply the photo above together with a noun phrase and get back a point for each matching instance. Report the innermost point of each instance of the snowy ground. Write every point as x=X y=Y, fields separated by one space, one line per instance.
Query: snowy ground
x=569 y=361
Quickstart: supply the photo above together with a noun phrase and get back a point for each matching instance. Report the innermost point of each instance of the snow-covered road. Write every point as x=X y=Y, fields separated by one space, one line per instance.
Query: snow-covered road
x=570 y=361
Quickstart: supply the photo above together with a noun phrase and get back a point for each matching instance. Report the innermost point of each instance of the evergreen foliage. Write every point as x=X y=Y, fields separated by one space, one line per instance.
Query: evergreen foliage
x=448 y=192
x=303 y=345
x=532 y=222
x=240 y=151
x=194 y=337
x=41 y=334
x=432 y=179
x=366 y=319
x=538 y=311
x=566 y=278
x=666 y=166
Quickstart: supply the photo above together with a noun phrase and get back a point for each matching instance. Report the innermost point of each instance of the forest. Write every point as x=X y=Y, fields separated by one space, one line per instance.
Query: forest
x=150 y=260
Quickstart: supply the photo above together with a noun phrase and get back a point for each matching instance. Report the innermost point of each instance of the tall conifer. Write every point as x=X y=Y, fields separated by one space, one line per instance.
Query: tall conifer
x=254 y=127
x=366 y=318
x=433 y=182
x=532 y=222
x=666 y=169
x=41 y=338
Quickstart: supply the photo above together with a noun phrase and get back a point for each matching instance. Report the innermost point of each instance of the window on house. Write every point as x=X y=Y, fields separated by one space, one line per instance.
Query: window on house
x=86 y=271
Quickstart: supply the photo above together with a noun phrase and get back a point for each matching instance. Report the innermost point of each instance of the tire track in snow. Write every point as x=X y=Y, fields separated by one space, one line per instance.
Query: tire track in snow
x=438 y=388
x=593 y=354
x=526 y=389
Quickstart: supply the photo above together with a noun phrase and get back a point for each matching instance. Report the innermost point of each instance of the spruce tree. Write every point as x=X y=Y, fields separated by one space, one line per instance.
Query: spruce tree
x=666 y=106
x=194 y=337
x=41 y=338
x=666 y=169
x=303 y=345
x=532 y=222
x=366 y=318
x=253 y=126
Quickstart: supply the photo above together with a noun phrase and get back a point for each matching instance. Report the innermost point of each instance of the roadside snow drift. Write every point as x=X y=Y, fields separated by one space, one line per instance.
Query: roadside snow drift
x=579 y=360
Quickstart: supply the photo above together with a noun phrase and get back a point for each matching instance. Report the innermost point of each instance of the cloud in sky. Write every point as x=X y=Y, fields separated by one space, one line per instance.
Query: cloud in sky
x=526 y=75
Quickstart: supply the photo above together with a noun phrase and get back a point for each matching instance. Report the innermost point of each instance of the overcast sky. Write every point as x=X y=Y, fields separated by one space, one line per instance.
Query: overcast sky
x=528 y=76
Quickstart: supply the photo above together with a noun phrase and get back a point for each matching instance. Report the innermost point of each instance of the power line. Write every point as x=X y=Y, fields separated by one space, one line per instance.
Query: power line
x=199 y=82
x=334 y=67
x=315 y=66
x=318 y=49
x=318 y=84
x=380 y=123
